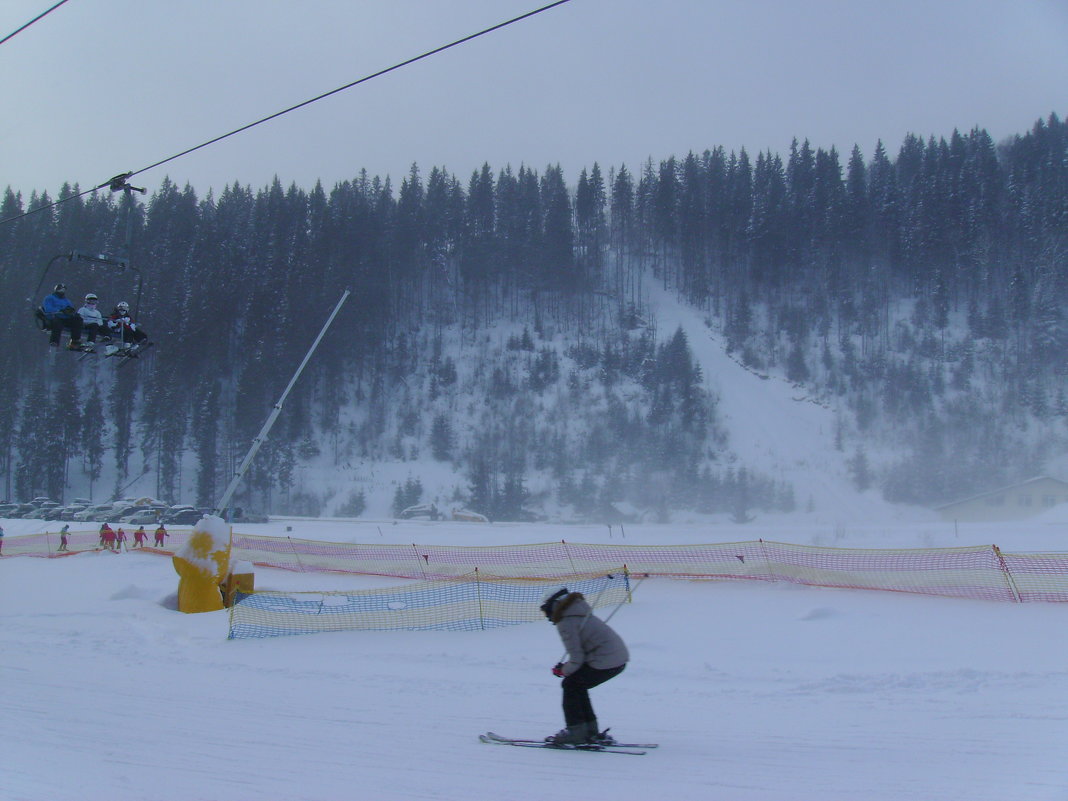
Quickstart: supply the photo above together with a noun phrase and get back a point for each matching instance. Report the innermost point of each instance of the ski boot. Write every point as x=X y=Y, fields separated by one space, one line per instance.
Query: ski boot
x=603 y=738
x=579 y=734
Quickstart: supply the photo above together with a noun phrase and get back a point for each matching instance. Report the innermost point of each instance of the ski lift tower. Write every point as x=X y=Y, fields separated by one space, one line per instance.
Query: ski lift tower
x=223 y=506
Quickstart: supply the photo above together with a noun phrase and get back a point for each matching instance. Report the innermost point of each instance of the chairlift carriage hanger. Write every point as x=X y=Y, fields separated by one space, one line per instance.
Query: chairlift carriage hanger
x=117 y=184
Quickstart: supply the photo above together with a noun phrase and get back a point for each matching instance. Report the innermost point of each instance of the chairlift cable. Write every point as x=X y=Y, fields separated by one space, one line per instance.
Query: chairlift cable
x=28 y=24
x=372 y=76
x=277 y=114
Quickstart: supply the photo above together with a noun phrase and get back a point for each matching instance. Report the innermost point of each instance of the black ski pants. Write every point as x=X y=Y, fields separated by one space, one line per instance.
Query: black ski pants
x=93 y=330
x=57 y=324
x=577 y=686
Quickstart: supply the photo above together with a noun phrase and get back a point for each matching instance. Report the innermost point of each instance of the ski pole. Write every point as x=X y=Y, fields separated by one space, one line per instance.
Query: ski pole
x=620 y=604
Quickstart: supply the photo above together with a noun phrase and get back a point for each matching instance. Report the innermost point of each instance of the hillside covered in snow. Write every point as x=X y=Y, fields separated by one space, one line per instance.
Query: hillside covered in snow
x=708 y=336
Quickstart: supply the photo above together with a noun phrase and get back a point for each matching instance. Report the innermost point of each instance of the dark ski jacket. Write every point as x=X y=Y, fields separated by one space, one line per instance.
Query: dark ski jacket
x=54 y=306
x=588 y=639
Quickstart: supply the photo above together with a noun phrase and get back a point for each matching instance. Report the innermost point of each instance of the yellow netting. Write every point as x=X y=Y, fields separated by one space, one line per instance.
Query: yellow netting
x=466 y=604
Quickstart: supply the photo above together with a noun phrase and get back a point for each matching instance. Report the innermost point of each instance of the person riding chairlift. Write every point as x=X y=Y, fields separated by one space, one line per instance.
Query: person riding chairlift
x=92 y=322
x=130 y=334
x=59 y=314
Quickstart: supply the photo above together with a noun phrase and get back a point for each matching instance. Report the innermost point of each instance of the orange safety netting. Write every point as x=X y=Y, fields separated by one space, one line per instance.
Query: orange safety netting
x=982 y=571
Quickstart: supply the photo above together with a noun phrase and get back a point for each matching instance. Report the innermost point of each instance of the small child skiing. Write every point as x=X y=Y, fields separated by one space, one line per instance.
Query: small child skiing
x=139 y=537
x=161 y=532
x=595 y=655
x=120 y=539
x=63 y=532
x=1 y=540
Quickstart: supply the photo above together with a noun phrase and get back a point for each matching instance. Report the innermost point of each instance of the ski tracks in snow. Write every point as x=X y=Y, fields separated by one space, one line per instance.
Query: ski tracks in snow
x=773 y=428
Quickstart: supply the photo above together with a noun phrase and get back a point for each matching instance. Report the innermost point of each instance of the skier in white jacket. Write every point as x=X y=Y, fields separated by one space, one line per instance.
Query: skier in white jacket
x=92 y=320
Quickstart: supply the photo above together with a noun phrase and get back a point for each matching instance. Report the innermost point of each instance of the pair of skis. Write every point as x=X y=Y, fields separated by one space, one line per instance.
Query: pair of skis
x=634 y=749
x=122 y=354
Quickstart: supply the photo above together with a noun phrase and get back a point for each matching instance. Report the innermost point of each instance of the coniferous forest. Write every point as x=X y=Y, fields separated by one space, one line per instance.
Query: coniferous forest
x=497 y=325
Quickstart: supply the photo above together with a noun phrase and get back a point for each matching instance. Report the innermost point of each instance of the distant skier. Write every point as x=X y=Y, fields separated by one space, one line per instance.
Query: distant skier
x=140 y=537
x=120 y=539
x=161 y=532
x=107 y=536
x=1 y=540
x=595 y=655
x=63 y=538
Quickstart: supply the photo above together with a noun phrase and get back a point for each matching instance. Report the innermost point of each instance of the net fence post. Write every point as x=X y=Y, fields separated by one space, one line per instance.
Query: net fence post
x=478 y=595
x=767 y=561
x=1008 y=575
x=421 y=559
x=230 y=621
x=296 y=555
x=570 y=561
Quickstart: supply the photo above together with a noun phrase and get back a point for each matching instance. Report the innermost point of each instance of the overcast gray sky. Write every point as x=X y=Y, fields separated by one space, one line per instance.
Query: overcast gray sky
x=100 y=87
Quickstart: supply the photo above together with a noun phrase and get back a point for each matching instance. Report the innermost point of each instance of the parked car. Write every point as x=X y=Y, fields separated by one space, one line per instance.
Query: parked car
x=186 y=517
x=23 y=509
x=41 y=512
x=7 y=508
x=467 y=516
x=41 y=500
x=53 y=512
x=421 y=511
x=144 y=517
x=43 y=509
x=146 y=500
x=177 y=509
x=67 y=512
x=119 y=513
x=94 y=513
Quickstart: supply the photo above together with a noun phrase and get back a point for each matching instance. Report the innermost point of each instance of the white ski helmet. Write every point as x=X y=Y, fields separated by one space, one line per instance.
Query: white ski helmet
x=122 y=306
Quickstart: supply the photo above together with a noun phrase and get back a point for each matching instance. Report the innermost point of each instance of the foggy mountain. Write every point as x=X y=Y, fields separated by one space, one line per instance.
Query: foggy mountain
x=711 y=335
